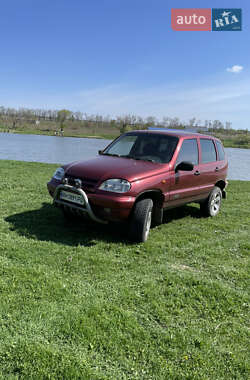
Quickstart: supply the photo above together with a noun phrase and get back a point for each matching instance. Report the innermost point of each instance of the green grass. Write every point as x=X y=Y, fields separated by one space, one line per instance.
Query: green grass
x=233 y=143
x=79 y=302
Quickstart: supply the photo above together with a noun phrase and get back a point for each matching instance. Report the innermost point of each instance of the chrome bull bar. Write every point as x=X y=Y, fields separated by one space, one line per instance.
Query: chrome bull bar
x=85 y=209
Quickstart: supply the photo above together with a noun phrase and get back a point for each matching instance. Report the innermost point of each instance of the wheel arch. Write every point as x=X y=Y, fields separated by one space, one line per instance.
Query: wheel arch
x=222 y=185
x=156 y=196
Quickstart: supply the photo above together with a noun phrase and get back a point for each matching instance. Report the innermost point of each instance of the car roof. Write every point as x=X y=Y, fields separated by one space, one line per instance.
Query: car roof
x=173 y=132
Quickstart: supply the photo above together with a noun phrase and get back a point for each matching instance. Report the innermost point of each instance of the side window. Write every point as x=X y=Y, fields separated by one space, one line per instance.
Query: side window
x=221 y=151
x=188 y=152
x=208 y=152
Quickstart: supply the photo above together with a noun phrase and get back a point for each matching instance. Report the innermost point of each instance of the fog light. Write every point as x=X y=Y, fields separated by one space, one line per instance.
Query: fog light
x=65 y=181
x=78 y=183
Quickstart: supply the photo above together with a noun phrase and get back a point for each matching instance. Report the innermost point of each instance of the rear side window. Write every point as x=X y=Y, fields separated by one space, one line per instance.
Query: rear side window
x=208 y=152
x=221 y=151
x=188 y=152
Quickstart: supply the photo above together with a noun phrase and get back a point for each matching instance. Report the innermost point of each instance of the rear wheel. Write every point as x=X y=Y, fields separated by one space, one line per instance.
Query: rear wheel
x=141 y=221
x=211 y=206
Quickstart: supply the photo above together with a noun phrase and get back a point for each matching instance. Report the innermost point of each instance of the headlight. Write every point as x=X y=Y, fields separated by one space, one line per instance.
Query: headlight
x=116 y=185
x=59 y=173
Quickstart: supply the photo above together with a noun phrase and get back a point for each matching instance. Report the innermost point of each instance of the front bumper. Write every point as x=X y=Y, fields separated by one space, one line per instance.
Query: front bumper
x=100 y=207
x=85 y=209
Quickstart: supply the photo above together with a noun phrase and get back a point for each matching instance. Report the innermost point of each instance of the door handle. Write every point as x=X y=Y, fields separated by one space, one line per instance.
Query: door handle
x=197 y=172
x=216 y=169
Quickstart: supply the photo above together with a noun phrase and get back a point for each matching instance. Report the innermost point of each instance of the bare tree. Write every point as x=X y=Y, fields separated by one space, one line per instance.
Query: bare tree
x=191 y=122
x=217 y=124
x=228 y=125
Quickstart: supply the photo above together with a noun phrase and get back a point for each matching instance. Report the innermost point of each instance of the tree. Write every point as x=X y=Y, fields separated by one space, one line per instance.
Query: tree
x=192 y=122
x=217 y=124
x=166 y=121
x=228 y=125
x=174 y=122
x=62 y=116
x=208 y=123
x=151 y=120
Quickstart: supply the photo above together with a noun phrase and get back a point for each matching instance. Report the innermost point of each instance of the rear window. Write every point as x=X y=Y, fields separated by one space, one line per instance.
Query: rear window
x=221 y=151
x=208 y=152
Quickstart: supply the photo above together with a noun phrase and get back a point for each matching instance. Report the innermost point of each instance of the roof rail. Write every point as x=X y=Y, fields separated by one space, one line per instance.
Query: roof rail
x=165 y=129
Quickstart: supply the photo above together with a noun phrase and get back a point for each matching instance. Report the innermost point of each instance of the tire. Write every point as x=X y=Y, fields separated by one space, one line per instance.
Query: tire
x=140 y=222
x=157 y=216
x=211 y=206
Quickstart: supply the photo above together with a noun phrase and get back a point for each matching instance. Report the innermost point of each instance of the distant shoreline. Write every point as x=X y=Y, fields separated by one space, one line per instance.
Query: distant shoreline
x=226 y=142
x=65 y=134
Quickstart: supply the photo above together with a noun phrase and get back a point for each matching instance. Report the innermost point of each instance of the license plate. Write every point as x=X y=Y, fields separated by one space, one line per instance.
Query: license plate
x=71 y=197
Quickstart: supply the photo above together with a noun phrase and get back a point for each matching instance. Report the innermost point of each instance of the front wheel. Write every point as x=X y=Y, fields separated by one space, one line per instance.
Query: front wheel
x=211 y=206
x=141 y=221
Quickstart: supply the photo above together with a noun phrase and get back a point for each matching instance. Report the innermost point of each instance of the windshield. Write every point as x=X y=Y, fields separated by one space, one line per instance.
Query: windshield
x=144 y=146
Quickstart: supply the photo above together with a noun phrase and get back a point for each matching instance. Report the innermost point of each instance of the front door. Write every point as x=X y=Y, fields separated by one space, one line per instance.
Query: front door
x=185 y=185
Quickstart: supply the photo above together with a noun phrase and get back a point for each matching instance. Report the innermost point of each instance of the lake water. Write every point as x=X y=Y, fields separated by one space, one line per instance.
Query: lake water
x=54 y=149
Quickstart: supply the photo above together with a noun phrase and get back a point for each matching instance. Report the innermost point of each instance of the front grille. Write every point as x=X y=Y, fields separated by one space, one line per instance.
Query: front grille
x=88 y=184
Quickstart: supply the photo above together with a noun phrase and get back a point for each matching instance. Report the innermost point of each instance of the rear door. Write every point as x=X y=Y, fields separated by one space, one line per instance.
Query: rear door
x=222 y=164
x=209 y=168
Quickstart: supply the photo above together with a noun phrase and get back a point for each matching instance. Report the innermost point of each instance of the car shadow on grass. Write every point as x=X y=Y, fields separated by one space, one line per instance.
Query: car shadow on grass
x=48 y=224
x=182 y=212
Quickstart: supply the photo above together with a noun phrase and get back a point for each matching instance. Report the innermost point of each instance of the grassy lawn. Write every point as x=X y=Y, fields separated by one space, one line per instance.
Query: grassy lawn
x=79 y=302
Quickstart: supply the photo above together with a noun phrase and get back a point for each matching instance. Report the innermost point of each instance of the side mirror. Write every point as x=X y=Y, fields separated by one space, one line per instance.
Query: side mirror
x=100 y=151
x=185 y=166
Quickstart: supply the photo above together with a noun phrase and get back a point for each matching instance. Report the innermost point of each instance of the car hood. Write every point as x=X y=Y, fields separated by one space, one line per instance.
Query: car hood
x=104 y=167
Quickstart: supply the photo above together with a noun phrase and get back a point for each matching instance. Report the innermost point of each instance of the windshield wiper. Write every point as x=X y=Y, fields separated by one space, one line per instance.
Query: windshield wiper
x=130 y=156
x=136 y=158
x=127 y=156
x=111 y=154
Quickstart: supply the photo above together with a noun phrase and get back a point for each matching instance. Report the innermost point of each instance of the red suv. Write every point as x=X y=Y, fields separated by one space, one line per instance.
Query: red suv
x=140 y=174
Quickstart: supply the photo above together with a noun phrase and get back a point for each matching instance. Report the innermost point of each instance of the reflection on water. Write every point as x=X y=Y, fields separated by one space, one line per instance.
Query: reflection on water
x=54 y=149
x=239 y=163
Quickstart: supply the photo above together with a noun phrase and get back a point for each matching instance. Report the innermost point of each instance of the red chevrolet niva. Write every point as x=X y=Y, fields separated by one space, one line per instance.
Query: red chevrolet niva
x=141 y=174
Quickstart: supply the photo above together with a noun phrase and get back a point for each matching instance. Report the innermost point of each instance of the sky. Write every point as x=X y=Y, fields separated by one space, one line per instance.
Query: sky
x=117 y=57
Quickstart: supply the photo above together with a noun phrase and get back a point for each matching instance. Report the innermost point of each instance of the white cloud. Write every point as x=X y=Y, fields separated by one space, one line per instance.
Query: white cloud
x=235 y=69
